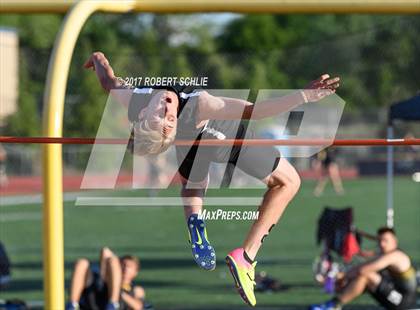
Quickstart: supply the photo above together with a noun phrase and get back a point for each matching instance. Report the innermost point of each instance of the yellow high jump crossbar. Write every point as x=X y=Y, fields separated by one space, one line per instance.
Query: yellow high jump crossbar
x=78 y=13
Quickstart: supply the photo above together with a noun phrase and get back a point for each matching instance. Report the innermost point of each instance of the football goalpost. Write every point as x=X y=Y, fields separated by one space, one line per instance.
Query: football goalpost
x=77 y=13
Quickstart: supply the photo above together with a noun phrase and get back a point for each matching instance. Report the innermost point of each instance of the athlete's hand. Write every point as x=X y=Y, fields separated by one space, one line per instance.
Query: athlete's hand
x=98 y=62
x=320 y=88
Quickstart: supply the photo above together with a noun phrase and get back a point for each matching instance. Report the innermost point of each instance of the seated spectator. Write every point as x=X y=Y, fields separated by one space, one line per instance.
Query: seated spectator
x=389 y=278
x=107 y=286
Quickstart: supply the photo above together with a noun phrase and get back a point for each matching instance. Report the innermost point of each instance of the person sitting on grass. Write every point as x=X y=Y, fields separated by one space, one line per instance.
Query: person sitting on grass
x=107 y=286
x=389 y=278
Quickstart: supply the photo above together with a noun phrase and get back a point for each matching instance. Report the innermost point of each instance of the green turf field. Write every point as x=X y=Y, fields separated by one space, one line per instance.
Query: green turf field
x=159 y=237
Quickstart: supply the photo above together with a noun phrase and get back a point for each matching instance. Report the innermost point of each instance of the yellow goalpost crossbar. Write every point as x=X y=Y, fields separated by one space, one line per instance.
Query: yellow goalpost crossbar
x=78 y=13
x=240 y=6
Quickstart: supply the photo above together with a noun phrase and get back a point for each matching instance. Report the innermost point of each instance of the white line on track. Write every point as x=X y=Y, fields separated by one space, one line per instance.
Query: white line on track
x=19 y=216
x=33 y=199
x=165 y=201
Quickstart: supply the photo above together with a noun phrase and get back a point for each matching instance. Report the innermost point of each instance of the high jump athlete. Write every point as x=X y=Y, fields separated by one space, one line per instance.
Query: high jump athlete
x=177 y=112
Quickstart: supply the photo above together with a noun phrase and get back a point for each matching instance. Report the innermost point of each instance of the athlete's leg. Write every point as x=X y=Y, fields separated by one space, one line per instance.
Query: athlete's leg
x=334 y=173
x=193 y=201
x=322 y=180
x=103 y=258
x=192 y=195
x=113 y=276
x=283 y=184
x=193 y=173
x=79 y=279
x=358 y=285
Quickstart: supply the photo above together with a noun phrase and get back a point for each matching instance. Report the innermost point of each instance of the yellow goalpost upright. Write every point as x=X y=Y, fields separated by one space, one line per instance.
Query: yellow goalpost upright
x=77 y=14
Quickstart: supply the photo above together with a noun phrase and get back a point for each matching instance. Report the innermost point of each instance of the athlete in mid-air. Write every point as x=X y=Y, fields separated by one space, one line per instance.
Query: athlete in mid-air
x=159 y=115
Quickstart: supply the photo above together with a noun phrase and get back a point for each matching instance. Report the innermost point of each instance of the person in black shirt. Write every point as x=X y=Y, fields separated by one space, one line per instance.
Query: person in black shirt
x=161 y=115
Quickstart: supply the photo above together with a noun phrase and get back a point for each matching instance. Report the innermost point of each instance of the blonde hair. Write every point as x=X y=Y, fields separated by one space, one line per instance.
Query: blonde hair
x=148 y=141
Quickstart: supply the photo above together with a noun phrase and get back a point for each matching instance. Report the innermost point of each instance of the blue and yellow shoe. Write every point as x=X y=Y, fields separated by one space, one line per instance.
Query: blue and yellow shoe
x=202 y=251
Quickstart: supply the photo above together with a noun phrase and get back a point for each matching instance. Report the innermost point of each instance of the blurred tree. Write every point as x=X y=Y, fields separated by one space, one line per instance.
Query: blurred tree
x=26 y=122
x=376 y=56
x=36 y=37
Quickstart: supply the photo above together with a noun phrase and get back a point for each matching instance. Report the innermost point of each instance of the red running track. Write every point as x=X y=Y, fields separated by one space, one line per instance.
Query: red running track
x=29 y=185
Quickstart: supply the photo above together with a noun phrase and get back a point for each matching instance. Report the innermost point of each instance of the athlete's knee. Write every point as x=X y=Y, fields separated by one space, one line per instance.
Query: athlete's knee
x=81 y=263
x=296 y=181
x=112 y=261
x=373 y=279
x=112 y=267
x=290 y=182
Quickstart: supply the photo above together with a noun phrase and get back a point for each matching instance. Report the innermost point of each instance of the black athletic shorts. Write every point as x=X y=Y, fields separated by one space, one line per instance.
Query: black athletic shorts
x=390 y=297
x=95 y=295
x=256 y=161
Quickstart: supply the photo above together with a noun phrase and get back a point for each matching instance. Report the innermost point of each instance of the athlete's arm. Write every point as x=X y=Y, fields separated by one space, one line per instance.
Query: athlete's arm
x=379 y=263
x=212 y=107
x=133 y=302
x=139 y=292
x=367 y=253
x=100 y=64
x=395 y=258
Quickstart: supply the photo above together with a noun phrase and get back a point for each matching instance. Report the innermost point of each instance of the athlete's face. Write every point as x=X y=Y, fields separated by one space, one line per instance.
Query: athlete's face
x=129 y=269
x=161 y=113
x=387 y=242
